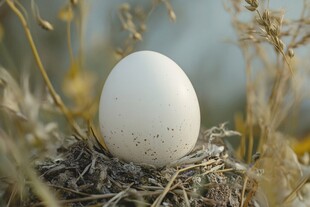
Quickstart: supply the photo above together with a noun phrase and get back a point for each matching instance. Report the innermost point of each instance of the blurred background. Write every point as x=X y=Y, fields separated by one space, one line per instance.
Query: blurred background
x=200 y=41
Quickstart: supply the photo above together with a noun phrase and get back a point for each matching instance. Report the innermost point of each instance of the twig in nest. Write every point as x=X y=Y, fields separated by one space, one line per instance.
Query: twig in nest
x=117 y=197
x=168 y=186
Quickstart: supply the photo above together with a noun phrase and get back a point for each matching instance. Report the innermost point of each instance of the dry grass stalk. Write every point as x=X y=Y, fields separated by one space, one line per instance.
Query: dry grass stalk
x=272 y=92
x=58 y=101
x=134 y=19
x=41 y=22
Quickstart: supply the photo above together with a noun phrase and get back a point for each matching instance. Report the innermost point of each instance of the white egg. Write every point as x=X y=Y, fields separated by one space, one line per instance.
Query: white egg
x=149 y=112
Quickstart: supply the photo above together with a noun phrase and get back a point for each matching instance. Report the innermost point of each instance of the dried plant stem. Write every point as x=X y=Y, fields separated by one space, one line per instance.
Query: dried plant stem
x=249 y=106
x=14 y=192
x=250 y=196
x=83 y=9
x=300 y=25
x=28 y=173
x=41 y=189
x=243 y=190
x=160 y=198
x=275 y=42
x=242 y=146
x=88 y=198
x=289 y=198
x=58 y=101
x=276 y=99
x=263 y=138
x=117 y=197
x=69 y=41
x=69 y=190
x=187 y=203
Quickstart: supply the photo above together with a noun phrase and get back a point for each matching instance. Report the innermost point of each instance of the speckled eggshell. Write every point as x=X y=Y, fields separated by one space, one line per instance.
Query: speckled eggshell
x=149 y=112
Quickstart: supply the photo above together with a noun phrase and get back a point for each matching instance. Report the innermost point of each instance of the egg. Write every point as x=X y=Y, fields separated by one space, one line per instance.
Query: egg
x=149 y=111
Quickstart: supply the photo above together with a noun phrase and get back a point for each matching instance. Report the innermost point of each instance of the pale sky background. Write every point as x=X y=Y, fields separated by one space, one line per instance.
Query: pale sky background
x=198 y=42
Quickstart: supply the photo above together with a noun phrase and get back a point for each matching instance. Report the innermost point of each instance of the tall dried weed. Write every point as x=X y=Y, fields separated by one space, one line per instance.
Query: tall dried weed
x=274 y=91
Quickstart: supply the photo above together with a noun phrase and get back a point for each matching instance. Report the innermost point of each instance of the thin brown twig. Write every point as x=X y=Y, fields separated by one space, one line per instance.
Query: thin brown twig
x=249 y=106
x=89 y=198
x=185 y=196
x=57 y=99
x=243 y=190
x=160 y=198
x=117 y=197
x=69 y=189
x=300 y=24
x=294 y=192
x=13 y=194
x=69 y=42
x=81 y=32
x=250 y=195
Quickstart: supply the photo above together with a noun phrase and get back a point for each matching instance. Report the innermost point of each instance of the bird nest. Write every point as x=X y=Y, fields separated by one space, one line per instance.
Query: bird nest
x=85 y=175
